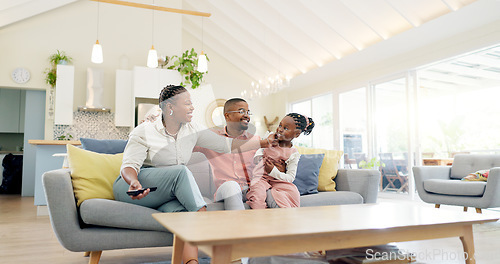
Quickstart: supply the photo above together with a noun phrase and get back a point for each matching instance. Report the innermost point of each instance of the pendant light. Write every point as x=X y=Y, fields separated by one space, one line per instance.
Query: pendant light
x=152 y=55
x=202 y=59
x=97 y=49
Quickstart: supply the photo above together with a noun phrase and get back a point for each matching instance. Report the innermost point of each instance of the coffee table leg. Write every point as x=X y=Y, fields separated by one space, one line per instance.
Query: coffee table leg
x=177 y=250
x=468 y=243
x=221 y=254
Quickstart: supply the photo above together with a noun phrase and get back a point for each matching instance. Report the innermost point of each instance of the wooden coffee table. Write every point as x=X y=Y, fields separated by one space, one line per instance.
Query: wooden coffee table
x=227 y=235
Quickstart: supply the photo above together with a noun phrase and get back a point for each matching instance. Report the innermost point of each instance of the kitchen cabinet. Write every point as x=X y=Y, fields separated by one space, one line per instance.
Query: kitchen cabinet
x=12 y=110
x=65 y=85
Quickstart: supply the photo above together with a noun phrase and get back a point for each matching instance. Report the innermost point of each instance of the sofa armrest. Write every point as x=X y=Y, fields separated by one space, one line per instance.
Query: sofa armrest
x=364 y=182
x=62 y=207
x=492 y=191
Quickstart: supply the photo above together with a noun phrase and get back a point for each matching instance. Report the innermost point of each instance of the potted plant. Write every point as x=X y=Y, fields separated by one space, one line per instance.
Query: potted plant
x=374 y=163
x=187 y=65
x=59 y=57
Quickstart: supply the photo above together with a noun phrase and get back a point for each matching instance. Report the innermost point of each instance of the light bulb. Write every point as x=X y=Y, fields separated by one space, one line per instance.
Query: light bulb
x=97 y=53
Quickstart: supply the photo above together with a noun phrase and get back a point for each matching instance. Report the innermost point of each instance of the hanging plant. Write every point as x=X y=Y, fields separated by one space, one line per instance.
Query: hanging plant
x=187 y=65
x=59 y=57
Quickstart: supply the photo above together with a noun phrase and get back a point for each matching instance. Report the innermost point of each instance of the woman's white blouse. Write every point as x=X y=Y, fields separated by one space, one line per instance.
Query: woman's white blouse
x=151 y=146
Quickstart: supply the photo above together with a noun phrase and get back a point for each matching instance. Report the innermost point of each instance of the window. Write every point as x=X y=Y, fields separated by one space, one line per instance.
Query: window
x=320 y=109
x=353 y=123
x=458 y=109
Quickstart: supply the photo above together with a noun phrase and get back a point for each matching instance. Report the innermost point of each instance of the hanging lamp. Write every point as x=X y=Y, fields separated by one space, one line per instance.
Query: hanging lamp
x=202 y=59
x=152 y=55
x=97 y=48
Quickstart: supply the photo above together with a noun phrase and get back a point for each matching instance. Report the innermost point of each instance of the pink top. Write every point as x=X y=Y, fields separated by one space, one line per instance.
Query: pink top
x=230 y=166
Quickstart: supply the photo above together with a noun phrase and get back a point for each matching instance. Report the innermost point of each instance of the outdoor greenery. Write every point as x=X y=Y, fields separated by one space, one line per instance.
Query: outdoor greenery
x=374 y=163
x=187 y=65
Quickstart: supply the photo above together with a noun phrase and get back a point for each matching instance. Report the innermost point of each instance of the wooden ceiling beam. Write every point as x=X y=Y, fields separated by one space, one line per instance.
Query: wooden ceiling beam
x=154 y=7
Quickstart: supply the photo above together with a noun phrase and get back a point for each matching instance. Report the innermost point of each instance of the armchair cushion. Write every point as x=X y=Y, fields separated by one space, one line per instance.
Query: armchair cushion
x=93 y=173
x=455 y=187
x=464 y=164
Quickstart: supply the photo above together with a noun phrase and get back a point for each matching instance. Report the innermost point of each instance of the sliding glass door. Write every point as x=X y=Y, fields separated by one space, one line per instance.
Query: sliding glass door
x=391 y=137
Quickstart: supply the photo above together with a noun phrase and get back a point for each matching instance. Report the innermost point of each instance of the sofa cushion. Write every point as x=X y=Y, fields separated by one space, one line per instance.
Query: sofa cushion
x=112 y=213
x=106 y=146
x=93 y=173
x=306 y=178
x=329 y=167
x=330 y=198
x=455 y=187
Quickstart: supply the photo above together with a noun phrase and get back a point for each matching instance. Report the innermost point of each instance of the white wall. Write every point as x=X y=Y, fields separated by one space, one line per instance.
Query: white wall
x=229 y=81
x=123 y=32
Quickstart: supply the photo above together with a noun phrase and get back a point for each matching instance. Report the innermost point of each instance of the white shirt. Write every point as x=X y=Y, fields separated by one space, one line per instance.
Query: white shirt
x=150 y=145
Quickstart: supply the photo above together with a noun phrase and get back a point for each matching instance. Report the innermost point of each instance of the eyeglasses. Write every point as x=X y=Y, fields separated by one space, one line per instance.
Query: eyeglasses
x=241 y=111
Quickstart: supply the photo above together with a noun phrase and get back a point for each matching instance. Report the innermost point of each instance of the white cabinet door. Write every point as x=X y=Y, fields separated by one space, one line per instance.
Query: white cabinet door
x=9 y=110
x=124 y=99
x=148 y=82
x=65 y=85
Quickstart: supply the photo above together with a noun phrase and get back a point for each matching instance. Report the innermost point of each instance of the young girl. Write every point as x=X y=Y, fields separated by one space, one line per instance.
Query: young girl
x=276 y=166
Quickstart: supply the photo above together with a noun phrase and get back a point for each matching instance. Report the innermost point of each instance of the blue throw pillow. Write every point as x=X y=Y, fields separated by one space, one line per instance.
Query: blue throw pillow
x=105 y=146
x=306 y=178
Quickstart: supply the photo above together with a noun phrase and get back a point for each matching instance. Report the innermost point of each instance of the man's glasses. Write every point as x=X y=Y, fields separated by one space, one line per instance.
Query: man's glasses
x=241 y=111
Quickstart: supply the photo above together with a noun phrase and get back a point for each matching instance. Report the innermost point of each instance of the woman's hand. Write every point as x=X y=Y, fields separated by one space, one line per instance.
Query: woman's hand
x=136 y=185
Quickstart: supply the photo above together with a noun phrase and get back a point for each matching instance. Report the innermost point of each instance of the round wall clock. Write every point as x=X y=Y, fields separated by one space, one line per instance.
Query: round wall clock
x=20 y=75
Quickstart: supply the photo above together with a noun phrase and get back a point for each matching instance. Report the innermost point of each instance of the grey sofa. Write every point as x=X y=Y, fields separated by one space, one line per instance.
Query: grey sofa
x=100 y=224
x=443 y=185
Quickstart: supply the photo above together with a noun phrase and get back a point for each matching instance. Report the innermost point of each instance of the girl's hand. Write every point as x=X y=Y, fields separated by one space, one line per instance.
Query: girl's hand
x=268 y=165
x=280 y=165
x=136 y=185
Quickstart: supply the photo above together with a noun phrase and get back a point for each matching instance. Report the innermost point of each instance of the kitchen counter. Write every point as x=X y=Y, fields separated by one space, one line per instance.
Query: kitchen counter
x=54 y=142
x=46 y=161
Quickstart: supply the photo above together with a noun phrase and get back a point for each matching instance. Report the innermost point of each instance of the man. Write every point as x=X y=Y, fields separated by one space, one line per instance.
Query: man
x=232 y=171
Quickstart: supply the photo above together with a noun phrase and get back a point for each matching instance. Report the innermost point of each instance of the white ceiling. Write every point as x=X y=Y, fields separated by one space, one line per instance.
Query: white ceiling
x=264 y=38
x=268 y=37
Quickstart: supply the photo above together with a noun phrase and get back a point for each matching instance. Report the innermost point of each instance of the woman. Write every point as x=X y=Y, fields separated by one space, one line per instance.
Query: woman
x=157 y=151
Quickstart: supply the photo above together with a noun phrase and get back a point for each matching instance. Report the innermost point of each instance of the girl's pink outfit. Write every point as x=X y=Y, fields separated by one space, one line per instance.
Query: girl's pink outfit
x=284 y=192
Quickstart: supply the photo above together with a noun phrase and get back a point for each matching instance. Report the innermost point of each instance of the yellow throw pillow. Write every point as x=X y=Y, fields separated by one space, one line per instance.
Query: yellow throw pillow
x=93 y=174
x=329 y=167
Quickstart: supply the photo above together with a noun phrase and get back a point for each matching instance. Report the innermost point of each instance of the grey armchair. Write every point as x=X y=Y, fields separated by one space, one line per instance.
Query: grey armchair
x=443 y=184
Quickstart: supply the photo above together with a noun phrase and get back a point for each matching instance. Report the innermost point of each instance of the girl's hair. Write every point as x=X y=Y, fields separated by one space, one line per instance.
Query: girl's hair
x=304 y=123
x=168 y=93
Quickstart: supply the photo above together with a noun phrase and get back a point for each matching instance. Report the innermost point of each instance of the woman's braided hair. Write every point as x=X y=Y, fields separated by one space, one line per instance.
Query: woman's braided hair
x=168 y=93
x=304 y=123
